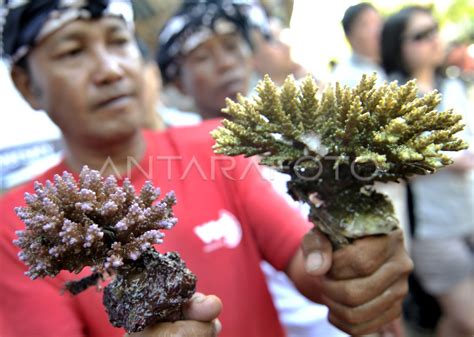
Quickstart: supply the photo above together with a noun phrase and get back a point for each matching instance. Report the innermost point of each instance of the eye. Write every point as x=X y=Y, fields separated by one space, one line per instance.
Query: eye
x=200 y=56
x=70 y=53
x=120 y=40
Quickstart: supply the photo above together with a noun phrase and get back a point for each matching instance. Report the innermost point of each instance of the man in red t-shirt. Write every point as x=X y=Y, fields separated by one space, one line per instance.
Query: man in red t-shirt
x=78 y=61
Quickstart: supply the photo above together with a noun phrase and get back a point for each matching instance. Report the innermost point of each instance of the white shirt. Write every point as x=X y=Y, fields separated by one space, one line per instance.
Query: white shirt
x=350 y=71
x=444 y=201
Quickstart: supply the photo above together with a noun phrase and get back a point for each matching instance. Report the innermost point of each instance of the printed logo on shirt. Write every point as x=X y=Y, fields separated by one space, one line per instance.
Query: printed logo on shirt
x=225 y=232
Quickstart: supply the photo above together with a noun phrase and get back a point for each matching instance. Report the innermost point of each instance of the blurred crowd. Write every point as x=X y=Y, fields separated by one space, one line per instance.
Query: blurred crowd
x=203 y=55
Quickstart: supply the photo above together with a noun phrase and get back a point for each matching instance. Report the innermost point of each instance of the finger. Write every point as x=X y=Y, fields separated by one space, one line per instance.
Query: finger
x=358 y=291
x=364 y=256
x=371 y=310
x=371 y=326
x=179 y=329
x=202 y=308
x=393 y=329
x=217 y=325
x=317 y=251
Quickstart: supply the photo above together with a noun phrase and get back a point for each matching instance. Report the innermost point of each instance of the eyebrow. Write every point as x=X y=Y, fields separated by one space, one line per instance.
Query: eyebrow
x=114 y=27
x=111 y=27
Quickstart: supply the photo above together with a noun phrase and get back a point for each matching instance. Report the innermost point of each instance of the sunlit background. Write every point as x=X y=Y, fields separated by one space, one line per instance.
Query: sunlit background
x=315 y=34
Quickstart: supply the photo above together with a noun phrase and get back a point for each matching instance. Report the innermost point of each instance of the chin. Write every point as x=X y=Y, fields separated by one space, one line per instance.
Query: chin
x=116 y=133
x=233 y=95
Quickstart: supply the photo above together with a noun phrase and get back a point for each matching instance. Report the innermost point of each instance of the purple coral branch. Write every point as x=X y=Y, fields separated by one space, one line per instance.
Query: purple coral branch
x=93 y=222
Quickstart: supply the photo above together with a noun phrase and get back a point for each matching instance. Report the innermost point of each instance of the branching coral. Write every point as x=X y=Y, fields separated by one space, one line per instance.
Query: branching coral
x=71 y=225
x=336 y=146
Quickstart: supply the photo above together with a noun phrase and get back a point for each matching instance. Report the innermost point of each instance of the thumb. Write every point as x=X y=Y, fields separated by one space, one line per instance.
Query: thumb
x=202 y=308
x=317 y=250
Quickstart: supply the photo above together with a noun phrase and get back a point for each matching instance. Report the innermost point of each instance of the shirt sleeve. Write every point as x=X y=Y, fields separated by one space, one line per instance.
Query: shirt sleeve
x=277 y=227
x=31 y=308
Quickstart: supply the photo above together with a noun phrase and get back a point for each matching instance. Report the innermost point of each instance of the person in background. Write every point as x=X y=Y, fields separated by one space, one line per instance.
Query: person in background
x=442 y=247
x=152 y=119
x=272 y=55
x=79 y=61
x=209 y=57
x=362 y=24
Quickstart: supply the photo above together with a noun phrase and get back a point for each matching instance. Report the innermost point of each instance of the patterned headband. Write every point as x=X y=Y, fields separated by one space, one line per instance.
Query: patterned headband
x=197 y=20
x=24 y=23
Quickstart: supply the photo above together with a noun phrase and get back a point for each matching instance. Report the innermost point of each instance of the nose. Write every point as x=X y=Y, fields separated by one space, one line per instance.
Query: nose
x=108 y=68
x=224 y=59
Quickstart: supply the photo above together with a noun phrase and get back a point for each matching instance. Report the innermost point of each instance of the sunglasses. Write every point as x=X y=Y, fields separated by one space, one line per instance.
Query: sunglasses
x=425 y=34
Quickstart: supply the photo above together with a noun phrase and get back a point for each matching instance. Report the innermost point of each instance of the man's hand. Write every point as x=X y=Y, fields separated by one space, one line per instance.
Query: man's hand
x=200 y=320
x=362 y=284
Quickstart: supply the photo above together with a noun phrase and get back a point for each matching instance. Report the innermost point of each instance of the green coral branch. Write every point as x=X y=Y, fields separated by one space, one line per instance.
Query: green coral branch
x=388 y=125
x=353 y=138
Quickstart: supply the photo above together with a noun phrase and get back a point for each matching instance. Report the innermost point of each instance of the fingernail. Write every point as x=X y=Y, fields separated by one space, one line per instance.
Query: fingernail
x=199 y=298
x=314 y=261
x=217 y=325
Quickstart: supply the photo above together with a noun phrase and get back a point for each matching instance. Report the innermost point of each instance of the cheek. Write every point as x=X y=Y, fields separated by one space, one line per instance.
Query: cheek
x=65 y=100
x=409 y=56
x=198 y=82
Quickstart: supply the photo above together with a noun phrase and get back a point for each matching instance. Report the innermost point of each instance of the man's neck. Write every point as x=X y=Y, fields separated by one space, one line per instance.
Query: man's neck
x=109 y=158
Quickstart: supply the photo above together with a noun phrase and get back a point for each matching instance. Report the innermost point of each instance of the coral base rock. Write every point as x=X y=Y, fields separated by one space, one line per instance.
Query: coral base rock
x=152 y=292
x=370 y=215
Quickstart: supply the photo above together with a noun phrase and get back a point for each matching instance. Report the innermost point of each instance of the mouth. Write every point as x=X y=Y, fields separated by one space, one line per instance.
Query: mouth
x=115 y=101
x=233 y=86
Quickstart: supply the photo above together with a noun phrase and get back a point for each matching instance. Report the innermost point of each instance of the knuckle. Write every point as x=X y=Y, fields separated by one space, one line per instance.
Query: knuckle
x=352 y=296
x=360 y=261
x=397 y=236
x=352 y=317
x=397 y=306
x=408 y=264
x=402 y=291
x=357 y=331
x=395 y=312
x=403 y=264
x=354 y=330
x=367 y=267
x=341 y=326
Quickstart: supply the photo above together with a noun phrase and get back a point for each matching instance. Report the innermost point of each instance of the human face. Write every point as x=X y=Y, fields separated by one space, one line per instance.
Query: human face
x=421 y=44
x=218 y=68
x=87 y=76
x=273 y=57
x=364 y=36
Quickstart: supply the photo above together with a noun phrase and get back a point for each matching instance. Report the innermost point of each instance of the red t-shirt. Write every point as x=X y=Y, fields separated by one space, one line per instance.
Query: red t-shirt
x=229 y=220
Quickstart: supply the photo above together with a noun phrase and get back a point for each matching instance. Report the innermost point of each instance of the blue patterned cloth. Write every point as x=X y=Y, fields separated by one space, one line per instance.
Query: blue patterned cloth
x=24 y=22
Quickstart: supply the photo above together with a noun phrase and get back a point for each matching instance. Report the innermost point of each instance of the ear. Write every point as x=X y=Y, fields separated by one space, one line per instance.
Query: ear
x=24 y=84
x=178 y=83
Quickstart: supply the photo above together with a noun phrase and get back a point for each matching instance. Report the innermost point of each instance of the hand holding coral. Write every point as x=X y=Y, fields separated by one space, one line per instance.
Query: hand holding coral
x=200 y=320
x=94 y=222
x=365 y=282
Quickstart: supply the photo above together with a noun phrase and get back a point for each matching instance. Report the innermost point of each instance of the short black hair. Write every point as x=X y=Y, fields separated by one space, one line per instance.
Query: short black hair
x=352 y=13
x=393 y=33
x=23 y=63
